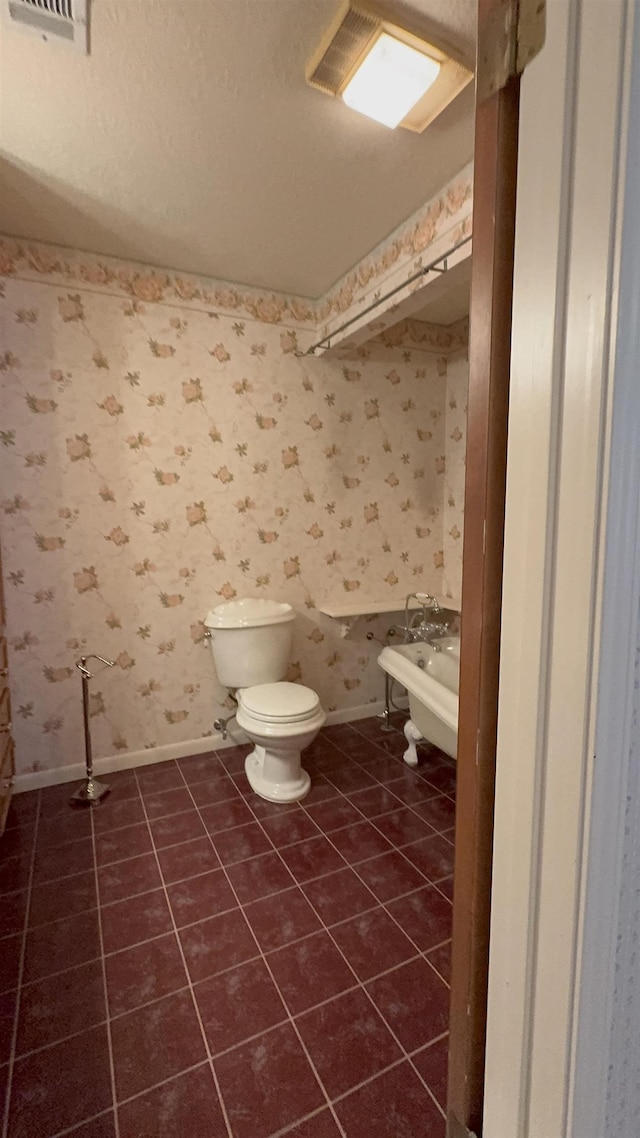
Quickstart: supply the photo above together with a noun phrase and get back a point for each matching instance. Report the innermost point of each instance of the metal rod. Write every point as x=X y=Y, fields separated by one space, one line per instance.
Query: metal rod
x=90 y=792
x=85 y=715
x=385 y=716
x=434 y=267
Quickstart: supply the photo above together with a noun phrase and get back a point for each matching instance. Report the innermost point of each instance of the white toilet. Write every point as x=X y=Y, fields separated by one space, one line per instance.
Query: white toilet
x=251 y=643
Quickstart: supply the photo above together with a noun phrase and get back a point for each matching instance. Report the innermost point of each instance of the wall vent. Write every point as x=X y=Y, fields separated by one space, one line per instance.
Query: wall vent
x=66 y=20
x=349 y=38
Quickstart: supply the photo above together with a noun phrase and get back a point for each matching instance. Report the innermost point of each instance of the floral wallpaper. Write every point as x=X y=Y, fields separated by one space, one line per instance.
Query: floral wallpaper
x=148 y=285
x=455 y=447
x=443 y=338
x=159 y=456
x=433 y=229
x=442 y=224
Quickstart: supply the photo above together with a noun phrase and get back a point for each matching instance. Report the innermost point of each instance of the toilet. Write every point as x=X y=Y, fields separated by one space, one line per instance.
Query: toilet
x=251 y=643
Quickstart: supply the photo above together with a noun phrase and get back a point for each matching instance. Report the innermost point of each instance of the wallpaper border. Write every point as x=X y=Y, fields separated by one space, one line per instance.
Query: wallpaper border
x=396 y=257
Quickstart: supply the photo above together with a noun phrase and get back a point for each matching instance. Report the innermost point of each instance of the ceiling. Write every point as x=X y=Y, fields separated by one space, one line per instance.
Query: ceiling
x=451 y=301
x=188 y=138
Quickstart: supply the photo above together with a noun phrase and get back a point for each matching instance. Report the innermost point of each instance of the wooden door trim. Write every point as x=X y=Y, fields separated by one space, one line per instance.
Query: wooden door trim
x=485 y=486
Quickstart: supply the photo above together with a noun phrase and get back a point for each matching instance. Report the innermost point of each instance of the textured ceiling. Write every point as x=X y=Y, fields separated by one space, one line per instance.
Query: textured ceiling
x=451 y=301
x=188 y=138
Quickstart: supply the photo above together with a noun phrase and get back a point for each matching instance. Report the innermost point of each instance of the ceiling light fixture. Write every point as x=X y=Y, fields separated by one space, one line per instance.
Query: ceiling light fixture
x=386 y=72
x=390 y=80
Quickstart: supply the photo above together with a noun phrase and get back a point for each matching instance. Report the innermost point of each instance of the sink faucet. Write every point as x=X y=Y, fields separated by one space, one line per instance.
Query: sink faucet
x=429 y=604
x=424 y=627
x=418 y=627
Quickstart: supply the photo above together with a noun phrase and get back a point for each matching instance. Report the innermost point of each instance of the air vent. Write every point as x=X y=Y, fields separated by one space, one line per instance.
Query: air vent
x=356 y=28
x=66 y=20
x=348 y=40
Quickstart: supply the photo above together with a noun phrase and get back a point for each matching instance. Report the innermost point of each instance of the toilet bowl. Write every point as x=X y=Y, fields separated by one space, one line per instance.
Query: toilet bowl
x=281 y=719
x=251 y=642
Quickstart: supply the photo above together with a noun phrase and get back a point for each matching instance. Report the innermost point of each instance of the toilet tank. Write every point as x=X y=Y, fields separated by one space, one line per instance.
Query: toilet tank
x=251 y=641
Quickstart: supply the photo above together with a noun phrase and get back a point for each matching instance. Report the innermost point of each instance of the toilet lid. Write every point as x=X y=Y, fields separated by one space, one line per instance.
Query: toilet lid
x=280 y=703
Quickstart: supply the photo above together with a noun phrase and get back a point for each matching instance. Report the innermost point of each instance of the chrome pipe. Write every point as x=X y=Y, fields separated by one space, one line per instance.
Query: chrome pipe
x=439 y=265
x=90 y=791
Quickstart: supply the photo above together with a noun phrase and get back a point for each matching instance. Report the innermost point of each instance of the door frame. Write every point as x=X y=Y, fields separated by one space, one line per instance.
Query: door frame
x=608 y=981
x=494 y=204
x=565 y=297
x=537 y=628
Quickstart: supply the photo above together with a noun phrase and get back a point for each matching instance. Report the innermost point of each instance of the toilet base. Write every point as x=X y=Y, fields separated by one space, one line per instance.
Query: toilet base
x=277 y=776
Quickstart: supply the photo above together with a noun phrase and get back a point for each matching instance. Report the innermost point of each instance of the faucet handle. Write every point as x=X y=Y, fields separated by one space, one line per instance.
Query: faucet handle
x=428 y=601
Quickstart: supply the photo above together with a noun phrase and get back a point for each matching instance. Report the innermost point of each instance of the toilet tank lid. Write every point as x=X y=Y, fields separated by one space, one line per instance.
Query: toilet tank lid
x=249 y=612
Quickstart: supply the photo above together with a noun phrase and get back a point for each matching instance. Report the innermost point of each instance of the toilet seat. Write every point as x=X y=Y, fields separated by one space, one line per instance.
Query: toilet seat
x=280 y=703
x=280 y=719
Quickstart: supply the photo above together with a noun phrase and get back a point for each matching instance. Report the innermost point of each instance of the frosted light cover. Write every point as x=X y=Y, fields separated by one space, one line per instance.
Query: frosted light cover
x=390 y=81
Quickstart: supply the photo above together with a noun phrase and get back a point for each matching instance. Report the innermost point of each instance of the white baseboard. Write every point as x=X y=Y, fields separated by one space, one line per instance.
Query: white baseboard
x=126 y=760
x=364 y=711
x=35 y=780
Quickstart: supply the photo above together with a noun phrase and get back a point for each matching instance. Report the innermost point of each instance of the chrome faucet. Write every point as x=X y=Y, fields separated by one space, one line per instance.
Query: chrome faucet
x=419 y=627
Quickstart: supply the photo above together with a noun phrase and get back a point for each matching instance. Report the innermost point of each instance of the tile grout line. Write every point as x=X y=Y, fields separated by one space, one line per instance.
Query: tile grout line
x=402 y=768
x=405 y=1053
x=410 y=1060
x=149 y=940
x=367 y=993
x=105 y=993
x=188 y=975
x=23 y=950
x=372 y=821
x=176 y=991
x=65 y=1039
x=273 y=981
x=431 y=1043
x=230 y=865
x=212 y=837
x=385 y=785
x=222 y=972
x=337 y=794
x=383 y=903
x=71 y=1129
x=426 y=955
x=163 y=1083
x=313 y=1008
x=348 y=864
x=340 y=747
x=281 y=1133
x=299 y=1122
x=377 y=1010
x=242 y=861
x=438 y=883
x=427 y=1087
x=346 y=1094
x=353 y=867
x=386 y=754
x=358 y=981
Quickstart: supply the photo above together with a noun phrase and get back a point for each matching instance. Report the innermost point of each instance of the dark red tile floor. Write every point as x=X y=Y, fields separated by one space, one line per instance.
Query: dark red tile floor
x=189 y=960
